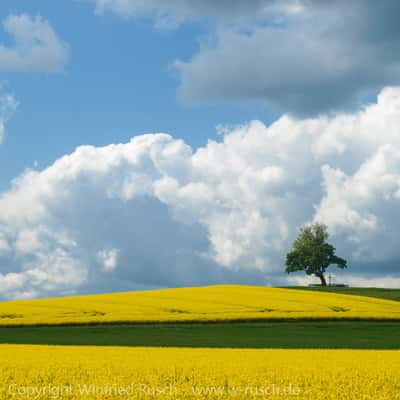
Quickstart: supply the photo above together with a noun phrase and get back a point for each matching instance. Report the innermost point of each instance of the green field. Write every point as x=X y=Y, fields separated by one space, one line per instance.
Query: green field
x=388 y=294
x=343 y=334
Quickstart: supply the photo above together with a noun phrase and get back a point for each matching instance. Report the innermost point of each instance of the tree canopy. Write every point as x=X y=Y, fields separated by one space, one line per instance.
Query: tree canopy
x=312 y=254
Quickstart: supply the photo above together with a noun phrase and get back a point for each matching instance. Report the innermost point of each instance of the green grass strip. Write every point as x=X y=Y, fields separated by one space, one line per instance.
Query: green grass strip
x=380 y=293
x=341 y=334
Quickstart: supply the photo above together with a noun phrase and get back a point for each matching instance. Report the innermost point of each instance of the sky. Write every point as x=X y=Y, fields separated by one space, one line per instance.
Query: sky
x=154 y=144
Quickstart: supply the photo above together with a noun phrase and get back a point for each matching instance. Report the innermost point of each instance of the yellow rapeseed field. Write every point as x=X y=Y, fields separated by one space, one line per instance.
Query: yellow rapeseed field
x=212 y=303
x=50 y=372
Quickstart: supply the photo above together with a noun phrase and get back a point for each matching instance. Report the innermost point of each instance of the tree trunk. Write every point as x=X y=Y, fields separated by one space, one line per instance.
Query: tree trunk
x=323 y=280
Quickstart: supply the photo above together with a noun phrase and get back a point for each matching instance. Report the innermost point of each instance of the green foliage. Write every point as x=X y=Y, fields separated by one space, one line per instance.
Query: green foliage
x=311 y=252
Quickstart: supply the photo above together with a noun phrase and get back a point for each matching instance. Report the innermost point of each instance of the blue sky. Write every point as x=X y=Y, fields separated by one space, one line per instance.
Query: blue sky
x=281 y=113
x=118 y=82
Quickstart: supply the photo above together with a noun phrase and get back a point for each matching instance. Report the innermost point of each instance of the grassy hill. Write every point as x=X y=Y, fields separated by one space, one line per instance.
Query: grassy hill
x=381 y=293
x=199 y=304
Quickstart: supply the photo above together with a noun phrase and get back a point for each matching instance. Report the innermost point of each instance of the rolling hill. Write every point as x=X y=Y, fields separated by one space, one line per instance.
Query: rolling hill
x=197 y=304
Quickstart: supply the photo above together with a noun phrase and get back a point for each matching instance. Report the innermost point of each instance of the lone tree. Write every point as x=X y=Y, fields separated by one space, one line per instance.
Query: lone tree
x=312 y=254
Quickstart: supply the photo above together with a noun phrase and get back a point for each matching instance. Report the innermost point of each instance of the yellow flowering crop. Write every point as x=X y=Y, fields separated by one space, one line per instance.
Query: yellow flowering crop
x=212 y=303
x=48 y=372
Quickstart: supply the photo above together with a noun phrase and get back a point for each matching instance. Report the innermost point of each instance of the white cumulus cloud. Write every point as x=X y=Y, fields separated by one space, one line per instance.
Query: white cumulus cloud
x=109 y=258
x=36 y=46
x=175 y=12
x=154 y=212
x=8 y=105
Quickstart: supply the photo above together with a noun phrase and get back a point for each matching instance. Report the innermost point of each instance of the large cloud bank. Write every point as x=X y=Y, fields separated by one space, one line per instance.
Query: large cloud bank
x=153 y=212
x=327 y=56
